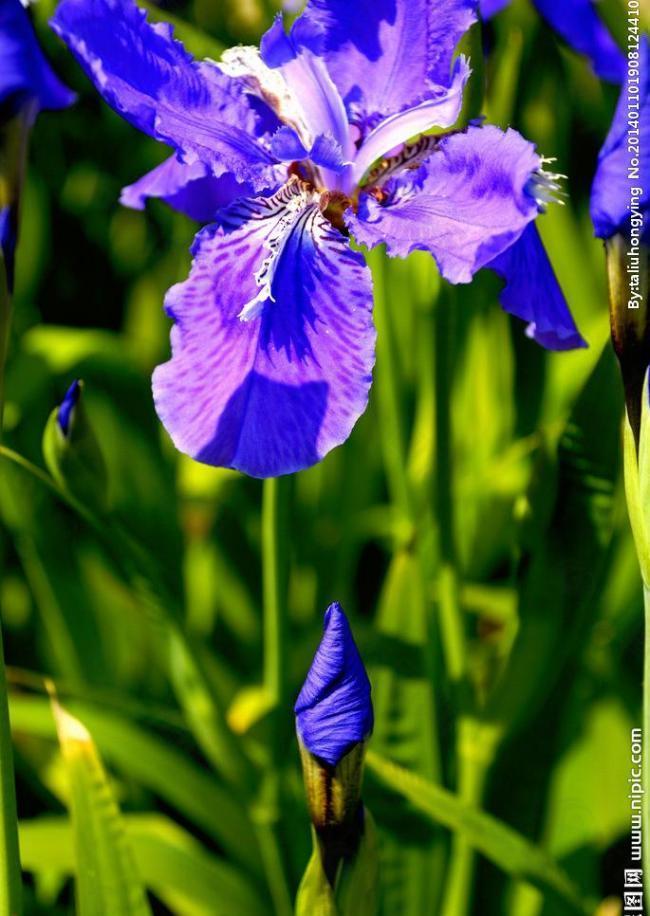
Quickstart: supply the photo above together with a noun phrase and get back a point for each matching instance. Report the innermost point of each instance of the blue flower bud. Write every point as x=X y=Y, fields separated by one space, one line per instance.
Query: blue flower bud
x=71 y=450
x=67 y=406
x=334 y=708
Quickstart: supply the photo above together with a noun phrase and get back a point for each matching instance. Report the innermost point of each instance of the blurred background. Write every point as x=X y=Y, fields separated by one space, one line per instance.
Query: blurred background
x=206 y=774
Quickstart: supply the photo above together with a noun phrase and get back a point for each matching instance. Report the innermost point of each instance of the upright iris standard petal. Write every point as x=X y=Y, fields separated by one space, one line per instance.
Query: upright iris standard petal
x=307 y=81
x=387 y=55
x=533 y=294
x=24 y=72
x=151 y=80
x=273 y=345
x=440 y=110
x=334 y=708
x=611 y=191
x=578 y=22
x=191 y=189
x=466 y=204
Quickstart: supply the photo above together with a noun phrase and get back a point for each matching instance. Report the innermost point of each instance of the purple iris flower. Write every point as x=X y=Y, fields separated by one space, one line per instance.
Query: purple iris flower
x=578 y=23
x=25 y=75
x=614 y=185
x=27 y=84
x=288 y=150
x=334 y=708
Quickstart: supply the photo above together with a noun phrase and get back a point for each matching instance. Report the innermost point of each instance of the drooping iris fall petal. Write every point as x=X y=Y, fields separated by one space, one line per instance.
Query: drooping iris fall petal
x=465 y=204
x=273 y=345
x=532 y=293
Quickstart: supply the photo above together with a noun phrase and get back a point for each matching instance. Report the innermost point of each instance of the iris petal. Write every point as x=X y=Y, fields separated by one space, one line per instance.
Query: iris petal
x=190 y=189
x=533 y=294
x=465 y=204
x=307 y=80
x=23 y=68
x=334 y=708
x=151 y=80
x=388 y=55
x=272 y=394
x=578 y=22
x=610 y=194
x=440 y=110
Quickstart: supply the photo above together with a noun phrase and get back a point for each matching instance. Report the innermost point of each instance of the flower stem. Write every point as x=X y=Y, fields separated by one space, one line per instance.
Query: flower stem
x=10 y=874
x=394 y=451
x=451 y=620
x=646 y=745
x=275 y=577
x=276 y=496
x=472 y=763
x=388 y=396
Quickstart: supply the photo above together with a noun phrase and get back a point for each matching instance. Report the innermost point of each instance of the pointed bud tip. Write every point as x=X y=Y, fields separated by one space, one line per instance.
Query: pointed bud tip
x=65 y=413
x=334 y=707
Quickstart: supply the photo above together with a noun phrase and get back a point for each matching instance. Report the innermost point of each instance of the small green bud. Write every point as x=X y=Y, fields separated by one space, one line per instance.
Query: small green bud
x=71 y=450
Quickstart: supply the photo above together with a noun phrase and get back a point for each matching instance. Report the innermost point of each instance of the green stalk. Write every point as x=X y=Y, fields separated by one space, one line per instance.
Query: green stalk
x=470 y=752
x=646 y=746
x=451 y=620
x=475 y=743
x=392 y=441
x=388 y=396
x=10 y=873
x=276 y=497
x=275 y=578
x=12 y=166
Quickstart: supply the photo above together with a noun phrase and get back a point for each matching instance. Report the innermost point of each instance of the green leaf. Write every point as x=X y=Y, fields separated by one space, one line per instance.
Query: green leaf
x=107 y=880
x=156 y=764
x=405 y=716
x=10 y=877
x=356 y=885
x=565 y=545
x=497 y=841
x=315 y=896
x=358 y=882
x=172 y=863
x=637 y=483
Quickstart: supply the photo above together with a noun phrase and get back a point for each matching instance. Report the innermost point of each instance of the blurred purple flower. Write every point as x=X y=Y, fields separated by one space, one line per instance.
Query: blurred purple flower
x=578 y=23
x=288 y=149
x=25 y=75
x=27 y=84
x=611 y=190
x=334 y=708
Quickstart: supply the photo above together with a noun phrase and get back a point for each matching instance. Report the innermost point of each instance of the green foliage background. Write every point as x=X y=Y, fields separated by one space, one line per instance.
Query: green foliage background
x=150 y=624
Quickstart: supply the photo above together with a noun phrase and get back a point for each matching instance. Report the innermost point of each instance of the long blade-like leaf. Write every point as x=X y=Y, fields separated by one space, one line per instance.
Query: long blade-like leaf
x=496 y=840
x=10 y=878
x=108 y=883
x=138 y=753
x=172 y=863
